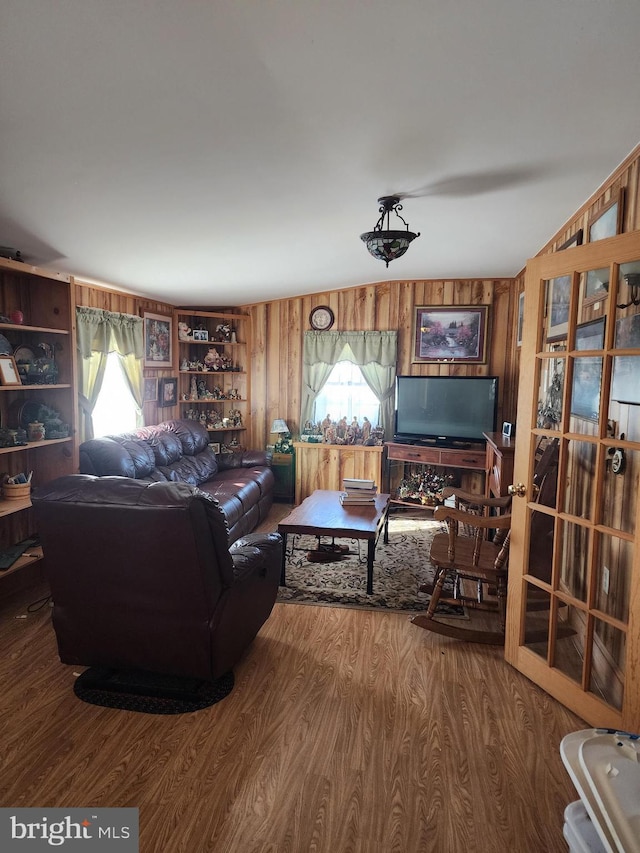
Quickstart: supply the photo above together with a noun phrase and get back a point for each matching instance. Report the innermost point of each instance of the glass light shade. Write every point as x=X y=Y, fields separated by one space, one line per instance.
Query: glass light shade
x=387 y=245
x=279 y=426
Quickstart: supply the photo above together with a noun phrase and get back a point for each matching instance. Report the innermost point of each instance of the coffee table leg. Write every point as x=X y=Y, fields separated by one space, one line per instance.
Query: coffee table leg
x=371 y=552
x=283 y=581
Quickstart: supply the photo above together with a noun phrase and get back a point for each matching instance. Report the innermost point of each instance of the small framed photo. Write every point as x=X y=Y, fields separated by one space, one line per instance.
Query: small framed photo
x=215 y=446
x=167 y=391
x=200 y=335
x=507 y=429
x=9 y=371
x=607 y=222
x=456 y=333
x=150 y=389
x=157 y=340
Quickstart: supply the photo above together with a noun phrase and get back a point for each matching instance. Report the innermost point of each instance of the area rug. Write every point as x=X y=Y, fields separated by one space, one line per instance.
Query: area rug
x=399 y=568
x=148 y=692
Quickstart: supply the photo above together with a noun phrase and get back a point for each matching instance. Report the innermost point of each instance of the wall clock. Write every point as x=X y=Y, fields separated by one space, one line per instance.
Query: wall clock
x=321 y=318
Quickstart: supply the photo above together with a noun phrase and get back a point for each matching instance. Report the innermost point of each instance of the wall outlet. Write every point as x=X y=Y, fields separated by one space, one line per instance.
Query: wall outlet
x=605 y=580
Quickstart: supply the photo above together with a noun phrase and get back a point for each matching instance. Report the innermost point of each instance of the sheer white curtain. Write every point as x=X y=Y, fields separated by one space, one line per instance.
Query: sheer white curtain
x=375 y=353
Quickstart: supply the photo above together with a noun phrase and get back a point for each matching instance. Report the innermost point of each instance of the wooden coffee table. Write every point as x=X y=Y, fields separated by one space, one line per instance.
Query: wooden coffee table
x=322 y=514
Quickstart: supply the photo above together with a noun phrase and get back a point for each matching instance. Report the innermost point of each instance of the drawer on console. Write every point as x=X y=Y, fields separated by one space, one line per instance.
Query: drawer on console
x=464 y=458
x=415 y=454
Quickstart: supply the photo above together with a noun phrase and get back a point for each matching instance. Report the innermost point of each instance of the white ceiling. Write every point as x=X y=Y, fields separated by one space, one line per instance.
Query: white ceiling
x=221 y=152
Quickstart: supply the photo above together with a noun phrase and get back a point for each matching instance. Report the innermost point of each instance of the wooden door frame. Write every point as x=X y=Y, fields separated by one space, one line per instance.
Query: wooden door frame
x=621 y=249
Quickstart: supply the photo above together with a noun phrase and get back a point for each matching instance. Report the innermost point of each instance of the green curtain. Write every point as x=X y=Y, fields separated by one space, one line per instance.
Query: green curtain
x=375 y=353
x=99 y=333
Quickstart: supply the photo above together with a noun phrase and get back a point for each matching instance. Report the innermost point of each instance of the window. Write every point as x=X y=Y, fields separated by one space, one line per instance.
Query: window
x=115 y=410
x=347 y=395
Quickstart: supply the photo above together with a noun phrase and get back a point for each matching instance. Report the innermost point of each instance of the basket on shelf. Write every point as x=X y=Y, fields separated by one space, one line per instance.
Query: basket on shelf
x=16 y=491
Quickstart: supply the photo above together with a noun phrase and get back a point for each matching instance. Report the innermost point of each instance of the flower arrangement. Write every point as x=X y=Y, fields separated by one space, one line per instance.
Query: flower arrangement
x=425 y=488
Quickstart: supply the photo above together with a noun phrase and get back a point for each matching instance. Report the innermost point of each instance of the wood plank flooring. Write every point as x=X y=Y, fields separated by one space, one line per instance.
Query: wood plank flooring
x=347 y=732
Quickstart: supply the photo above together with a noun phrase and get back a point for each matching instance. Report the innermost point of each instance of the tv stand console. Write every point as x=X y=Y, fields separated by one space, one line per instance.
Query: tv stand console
x=471 y=459
x=474 y=456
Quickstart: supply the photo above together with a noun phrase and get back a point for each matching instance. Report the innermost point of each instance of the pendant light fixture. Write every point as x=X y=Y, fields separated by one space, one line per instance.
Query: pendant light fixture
x=387 y=244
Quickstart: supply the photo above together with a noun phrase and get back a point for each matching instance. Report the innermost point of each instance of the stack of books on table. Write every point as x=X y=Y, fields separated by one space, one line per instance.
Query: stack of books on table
x=357 y=492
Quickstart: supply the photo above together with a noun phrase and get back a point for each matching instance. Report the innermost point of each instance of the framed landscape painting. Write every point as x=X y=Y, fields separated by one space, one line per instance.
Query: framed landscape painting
x=456 y=333
x=157 y=340
x=607 y=222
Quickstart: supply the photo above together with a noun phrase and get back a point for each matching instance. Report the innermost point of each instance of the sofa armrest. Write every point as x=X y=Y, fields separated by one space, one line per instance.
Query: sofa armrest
x=256 y=553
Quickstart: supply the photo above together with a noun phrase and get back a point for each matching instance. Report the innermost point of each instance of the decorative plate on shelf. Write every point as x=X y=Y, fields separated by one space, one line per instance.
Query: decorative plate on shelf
x=29 y=412
x=24 y=360
x=5 y=346
x=24 y=355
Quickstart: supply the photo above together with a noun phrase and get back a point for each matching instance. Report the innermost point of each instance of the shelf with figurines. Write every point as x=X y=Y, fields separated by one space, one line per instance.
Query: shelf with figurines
x=201 y=392
x=214 y=380
x=216 y=420
x=223 y=333
x=212 y=362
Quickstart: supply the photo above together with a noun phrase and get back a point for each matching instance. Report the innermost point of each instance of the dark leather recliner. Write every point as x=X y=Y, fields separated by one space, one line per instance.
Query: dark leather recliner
x=142 y=576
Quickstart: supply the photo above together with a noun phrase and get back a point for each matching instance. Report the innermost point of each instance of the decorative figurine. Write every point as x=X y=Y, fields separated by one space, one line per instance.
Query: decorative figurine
x=213 y=360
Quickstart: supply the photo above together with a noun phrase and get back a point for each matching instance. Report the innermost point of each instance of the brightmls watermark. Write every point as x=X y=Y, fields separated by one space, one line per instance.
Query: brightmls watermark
x=81 y=830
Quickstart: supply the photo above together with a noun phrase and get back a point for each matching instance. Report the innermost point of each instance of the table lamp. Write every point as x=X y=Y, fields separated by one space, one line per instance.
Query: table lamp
x=280 y=428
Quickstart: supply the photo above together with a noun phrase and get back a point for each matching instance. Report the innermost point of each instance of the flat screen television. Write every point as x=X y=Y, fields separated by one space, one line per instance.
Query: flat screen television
x=445 y=410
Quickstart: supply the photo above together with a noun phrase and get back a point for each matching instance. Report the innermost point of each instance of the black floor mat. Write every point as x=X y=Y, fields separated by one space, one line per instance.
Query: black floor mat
x=149 y=692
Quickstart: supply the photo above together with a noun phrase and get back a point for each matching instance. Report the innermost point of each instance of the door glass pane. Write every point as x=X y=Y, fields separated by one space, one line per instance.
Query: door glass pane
x=551 y=388
x=594 y=288
x=628 y=303
x=614 y=560
x=621 y=485
x=541 y=545
x=575 y=547
x=579 y=492
x=625 y=386
x=558 y=293
x=590 y=335
x=585 y=394
x=570 y=641
x=608 y=663
x=537 y=620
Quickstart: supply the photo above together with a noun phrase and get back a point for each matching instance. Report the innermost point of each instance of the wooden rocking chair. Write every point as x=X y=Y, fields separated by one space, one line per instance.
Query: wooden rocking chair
x=475 y=561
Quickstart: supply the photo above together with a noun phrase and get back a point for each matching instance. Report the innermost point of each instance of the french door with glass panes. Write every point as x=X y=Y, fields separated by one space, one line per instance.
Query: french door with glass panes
x=573 y=623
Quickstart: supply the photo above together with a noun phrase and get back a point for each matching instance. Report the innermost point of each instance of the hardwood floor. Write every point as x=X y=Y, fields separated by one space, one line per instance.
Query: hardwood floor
x=346 y=731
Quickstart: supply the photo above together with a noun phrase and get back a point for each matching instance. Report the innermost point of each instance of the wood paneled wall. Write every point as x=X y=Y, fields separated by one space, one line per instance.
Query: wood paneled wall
x=278 y=326
x=278 y=329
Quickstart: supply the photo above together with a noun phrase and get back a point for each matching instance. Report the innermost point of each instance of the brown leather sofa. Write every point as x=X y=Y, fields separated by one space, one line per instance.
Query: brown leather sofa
x=179 y=451
x=142 y=576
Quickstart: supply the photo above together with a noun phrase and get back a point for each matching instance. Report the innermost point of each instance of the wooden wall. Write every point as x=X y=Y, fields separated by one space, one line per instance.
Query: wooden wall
x=278 y=326
x=278 y=334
